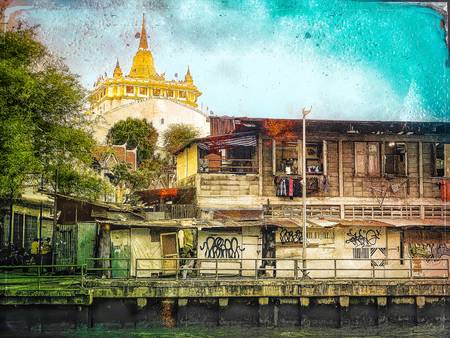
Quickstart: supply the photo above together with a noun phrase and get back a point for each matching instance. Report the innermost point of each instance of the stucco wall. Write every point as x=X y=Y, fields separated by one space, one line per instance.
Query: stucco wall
x=160 y=112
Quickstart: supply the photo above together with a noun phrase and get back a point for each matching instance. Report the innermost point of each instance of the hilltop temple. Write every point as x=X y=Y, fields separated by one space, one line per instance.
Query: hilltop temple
x=144 y=93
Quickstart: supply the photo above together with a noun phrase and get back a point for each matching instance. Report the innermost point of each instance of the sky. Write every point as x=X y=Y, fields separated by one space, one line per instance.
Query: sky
x=347 y=59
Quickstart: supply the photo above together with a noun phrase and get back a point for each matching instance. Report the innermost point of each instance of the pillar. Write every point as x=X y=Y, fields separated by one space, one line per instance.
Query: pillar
x=304 y=306
x=344 y=314
x=223 y=303
x=168 y=313
x=381 y=310
x=264 y=315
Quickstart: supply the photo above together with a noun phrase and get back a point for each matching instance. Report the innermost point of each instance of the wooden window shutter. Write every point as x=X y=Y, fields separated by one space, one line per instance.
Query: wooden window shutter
x=360 y=158
x=374 y=159
x=447 y=160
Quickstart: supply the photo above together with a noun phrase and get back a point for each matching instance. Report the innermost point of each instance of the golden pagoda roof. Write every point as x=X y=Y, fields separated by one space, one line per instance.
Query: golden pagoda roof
x=143 y=66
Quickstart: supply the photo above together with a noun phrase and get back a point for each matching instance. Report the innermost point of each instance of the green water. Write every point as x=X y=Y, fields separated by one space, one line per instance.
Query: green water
x=379 y=331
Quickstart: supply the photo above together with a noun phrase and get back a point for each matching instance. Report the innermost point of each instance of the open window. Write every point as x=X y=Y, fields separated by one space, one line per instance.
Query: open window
x=286 y=155
x=288 y=158
x=314 y=158
x=367 y=159
x=395 y=159
x=441 y=160
x=228 y=154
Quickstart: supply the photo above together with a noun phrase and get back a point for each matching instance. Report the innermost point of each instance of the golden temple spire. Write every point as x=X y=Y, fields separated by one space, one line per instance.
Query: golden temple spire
x=188 y=76
x=117 y=70
x=143 y=44
x=143 y=67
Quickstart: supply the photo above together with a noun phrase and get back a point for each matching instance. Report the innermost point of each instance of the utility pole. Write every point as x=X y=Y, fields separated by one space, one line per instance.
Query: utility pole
x=305 y=112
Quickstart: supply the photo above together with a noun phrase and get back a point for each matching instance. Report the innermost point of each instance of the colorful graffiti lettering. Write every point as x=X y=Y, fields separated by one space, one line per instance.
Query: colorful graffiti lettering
x=287 y=236
x=429 y=250
x=363 y=238
x=218 y=247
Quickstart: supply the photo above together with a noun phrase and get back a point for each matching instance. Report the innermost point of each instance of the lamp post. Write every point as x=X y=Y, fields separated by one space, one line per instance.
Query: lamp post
x=305 y=112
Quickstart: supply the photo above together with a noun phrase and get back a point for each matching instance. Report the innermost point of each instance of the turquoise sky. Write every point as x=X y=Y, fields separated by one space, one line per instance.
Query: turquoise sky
x=348 y=59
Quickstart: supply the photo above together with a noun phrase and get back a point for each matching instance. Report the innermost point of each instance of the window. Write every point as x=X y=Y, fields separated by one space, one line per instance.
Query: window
x=367 y=159
x=31 y=225
x=360 y=253
x=170 y=93
x=287 y=157
x=143 y=91
x=395 y=159
x=441 y=156
x=162 y=121
x=183 y=94
x=314 y=163
x=130 y=90
x=18 y=230
x=156 y=92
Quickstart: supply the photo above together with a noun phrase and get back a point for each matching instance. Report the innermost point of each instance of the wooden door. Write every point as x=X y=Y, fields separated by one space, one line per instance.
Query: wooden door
x=169 y=249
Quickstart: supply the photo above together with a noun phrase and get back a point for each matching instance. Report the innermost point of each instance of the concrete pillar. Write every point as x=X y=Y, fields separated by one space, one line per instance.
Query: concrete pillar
x=223 y=303
x=344 y=315
x=381 y=310
x=304 y=306
x=182 y=313
x=264 y=315
x=420 y=305
x=168 y=313
x=82 y=317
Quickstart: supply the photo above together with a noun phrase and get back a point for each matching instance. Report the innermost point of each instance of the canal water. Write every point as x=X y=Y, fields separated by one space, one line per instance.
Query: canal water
x=389 y=330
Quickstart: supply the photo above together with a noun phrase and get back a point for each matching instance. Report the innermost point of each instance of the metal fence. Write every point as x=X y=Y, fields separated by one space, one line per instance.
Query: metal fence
x=42 y=277
x=222 y=269
x=66 y=277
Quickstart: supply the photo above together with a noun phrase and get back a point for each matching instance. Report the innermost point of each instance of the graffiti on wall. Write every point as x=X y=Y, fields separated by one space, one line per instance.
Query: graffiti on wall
x=290 y=237
x=429 y=250
x=218 y=247
x=363 y=238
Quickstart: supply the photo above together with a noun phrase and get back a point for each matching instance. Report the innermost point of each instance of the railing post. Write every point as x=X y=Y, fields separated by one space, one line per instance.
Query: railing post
x=82 y=275
x=136 y=262
x=295 y=268
x=39 y=277
x=177 y=271
x=256 y=268
x=217 y=269
x=373 y=269
x=335 y=268
x=410 y=269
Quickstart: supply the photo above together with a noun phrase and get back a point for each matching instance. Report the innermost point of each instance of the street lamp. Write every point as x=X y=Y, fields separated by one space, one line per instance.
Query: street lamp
x=305 y=112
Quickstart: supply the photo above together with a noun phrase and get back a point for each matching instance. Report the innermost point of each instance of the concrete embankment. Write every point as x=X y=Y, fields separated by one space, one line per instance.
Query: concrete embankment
x=144 y=304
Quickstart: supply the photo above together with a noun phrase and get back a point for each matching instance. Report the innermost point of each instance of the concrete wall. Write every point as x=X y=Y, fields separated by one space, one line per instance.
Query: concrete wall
x=160 y=112
x=232 y=248
x=143 y=313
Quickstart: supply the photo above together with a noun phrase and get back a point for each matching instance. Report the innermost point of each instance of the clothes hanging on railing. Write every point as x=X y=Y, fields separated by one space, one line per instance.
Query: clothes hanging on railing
x=288 y=187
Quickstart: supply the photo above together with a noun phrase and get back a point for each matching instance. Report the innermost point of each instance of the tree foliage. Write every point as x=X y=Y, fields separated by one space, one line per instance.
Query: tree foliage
x=42 y=125
x=177 y=135
x=135 y=133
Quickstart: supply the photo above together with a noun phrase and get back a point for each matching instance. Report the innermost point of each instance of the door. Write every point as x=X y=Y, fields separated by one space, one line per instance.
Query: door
x=169 y=249
x=120 y=253
x=87 y=233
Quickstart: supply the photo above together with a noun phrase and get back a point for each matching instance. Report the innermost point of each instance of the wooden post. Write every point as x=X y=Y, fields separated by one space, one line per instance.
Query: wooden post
x=341 y=170
x=420 y=169
x=325 y=158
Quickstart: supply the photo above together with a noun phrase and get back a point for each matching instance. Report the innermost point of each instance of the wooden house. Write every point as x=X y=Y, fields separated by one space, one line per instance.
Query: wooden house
x=370 y=184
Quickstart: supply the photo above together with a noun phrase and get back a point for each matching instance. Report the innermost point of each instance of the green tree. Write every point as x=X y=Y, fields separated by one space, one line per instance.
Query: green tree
x=135 y=133
x=42 y=124
x=177 y=135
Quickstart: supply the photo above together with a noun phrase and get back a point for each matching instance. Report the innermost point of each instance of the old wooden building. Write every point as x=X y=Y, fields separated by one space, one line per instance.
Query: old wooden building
x=376 y=191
